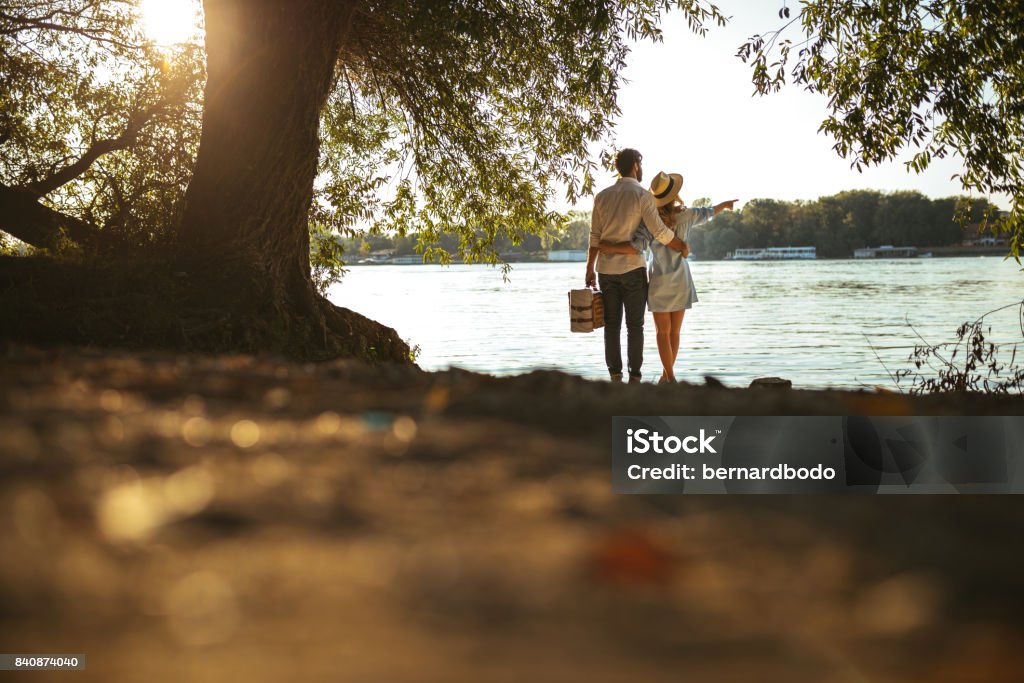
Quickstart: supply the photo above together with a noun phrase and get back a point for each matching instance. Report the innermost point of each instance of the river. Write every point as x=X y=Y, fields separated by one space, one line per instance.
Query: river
x=813 y=322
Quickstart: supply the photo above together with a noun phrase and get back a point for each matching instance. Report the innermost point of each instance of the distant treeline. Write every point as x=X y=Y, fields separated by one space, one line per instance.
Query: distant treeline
x=839 y=224
x=368 y=244
x=835 y=225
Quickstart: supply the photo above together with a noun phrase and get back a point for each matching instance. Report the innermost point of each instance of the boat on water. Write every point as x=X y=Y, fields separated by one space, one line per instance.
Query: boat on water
x=406 y=260
x=887 y=251
x=567 y=255
x=773 y=254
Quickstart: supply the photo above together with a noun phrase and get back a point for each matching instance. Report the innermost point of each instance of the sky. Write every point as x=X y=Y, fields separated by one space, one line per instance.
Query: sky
x=689 y=109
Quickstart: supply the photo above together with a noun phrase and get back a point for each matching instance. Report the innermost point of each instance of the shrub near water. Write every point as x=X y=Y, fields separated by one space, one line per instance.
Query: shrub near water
x=972 y=364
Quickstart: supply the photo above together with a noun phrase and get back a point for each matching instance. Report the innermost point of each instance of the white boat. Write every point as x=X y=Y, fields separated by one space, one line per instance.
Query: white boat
x=563 y=255
x=886 y=251
x=406 y=260
x=774 y=254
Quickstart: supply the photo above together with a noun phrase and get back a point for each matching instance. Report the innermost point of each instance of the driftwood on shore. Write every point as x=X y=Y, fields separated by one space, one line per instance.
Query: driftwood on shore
x=188 y=517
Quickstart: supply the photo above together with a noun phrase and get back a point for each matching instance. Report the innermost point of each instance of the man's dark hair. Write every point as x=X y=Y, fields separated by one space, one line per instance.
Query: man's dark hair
x=625 y=159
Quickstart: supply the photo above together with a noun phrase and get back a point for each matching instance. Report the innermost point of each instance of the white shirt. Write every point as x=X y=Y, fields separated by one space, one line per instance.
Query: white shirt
x=618 y=211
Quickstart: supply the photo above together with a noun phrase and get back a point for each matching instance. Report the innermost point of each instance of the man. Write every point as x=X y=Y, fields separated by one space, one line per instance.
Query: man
x=618 y=211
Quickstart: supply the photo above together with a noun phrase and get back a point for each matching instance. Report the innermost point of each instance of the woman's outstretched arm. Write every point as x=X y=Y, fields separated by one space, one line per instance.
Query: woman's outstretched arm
x=724 y=206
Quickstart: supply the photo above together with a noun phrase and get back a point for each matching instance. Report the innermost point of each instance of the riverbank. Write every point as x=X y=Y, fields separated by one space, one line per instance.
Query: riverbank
x=142 y=304
x=188 y=517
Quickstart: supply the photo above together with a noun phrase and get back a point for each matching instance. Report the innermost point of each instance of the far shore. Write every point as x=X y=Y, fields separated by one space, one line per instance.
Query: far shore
x=936 y=252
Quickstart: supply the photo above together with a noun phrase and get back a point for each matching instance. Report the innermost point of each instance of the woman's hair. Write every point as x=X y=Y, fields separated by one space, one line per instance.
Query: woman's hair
x=668 y=213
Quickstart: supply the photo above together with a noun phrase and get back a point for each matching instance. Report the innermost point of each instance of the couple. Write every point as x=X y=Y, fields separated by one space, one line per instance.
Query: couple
x=626 y=220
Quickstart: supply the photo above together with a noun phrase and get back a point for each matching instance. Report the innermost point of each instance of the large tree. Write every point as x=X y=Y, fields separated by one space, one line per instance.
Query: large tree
x=494 y=105
x=461 y=118
x=937 y=76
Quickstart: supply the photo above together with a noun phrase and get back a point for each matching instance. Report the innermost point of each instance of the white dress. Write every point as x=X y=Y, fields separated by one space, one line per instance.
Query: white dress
x=671 y=285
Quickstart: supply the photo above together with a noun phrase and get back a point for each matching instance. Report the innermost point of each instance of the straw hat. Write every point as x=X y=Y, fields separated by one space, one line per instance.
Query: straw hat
x=665 y=187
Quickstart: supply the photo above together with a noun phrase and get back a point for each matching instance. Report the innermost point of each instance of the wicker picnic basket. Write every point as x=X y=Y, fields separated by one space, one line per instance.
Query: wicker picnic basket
x=586 y=310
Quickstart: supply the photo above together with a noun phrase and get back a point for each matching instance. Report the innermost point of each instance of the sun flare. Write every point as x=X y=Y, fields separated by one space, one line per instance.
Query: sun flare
x=167 y=22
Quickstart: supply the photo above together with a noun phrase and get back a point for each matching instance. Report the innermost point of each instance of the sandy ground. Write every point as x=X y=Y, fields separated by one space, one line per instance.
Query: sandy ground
x=191 y=518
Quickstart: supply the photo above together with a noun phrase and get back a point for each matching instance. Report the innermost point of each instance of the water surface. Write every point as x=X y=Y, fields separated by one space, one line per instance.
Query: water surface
x=813 y=322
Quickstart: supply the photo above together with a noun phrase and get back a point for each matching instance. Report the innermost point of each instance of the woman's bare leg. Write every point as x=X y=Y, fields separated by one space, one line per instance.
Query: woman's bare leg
x=663 y=325
x=676 y=325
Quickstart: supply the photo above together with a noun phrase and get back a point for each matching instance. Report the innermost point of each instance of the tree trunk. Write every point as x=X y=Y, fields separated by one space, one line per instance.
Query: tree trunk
x=244 y=238
x=269 y=68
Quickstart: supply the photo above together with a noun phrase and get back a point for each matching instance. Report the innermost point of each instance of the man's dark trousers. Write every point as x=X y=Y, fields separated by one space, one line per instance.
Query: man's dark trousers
x=624 y=292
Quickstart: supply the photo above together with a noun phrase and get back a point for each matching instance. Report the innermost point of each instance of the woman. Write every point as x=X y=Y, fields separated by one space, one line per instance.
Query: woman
x=671 y=291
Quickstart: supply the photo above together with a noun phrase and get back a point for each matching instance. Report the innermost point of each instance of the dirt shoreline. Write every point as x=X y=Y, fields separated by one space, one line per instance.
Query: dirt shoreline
x=192 y=517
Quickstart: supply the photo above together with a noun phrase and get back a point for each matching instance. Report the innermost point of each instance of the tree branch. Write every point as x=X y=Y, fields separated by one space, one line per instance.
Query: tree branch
x=11 y=25
x=22 y=216
x=125 y=140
